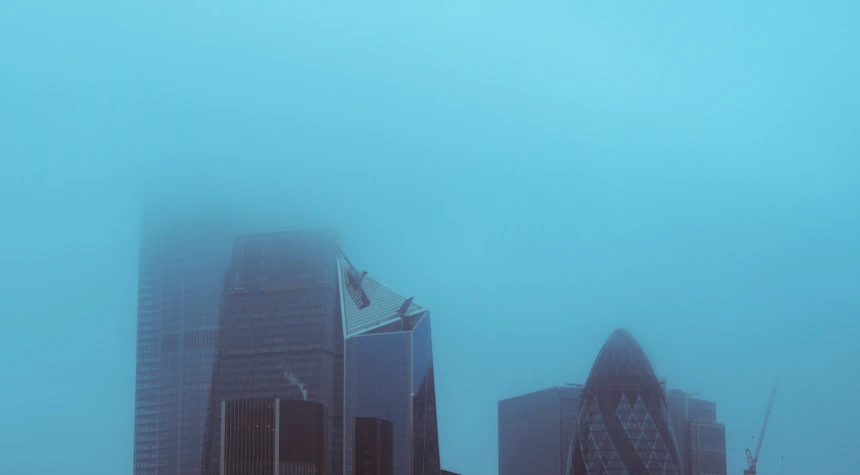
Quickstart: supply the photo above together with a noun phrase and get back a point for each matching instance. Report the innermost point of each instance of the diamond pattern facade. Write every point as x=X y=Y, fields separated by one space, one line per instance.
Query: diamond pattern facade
x=625 y=427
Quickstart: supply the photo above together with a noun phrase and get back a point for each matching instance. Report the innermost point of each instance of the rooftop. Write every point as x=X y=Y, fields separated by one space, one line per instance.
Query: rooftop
x=368 y=304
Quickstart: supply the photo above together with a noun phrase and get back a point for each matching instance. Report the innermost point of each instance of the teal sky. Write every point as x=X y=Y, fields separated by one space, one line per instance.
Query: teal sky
x=536 y=173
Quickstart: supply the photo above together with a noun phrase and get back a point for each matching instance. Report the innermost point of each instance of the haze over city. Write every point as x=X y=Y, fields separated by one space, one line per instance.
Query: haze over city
x=537 y=174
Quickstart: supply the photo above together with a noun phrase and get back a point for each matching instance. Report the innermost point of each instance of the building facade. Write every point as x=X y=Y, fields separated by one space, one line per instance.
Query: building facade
x=701 y=439
x=388 y=371
x=281 y=331
x=624 y=423
x=374 y=446
x=536 y=431
x=273 y=437
x=182 y=262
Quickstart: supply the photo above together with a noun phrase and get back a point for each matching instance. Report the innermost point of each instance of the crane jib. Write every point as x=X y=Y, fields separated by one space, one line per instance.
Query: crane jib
x=752 y=459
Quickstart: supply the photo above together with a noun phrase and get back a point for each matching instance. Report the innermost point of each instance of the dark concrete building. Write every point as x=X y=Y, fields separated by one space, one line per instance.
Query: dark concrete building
x=374 y=446
x=183 y=256
x=273 y=437
x=388 y=371
x=624 y=423
x=536 y=431
x=445 y=472
x=701 y=439
x=280 y=331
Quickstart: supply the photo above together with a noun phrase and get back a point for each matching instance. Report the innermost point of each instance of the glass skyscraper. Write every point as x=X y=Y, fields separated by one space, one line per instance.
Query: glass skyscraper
x=624 y=423
x=182 y=262
x=536 y=431
x=389 y=371
x=281 y=332
x=701 y=439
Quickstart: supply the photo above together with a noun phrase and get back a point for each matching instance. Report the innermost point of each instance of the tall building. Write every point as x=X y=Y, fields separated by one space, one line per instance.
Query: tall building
x=182 y=262
x=624 y=423
x=374 y=446
x=389 y=371
x=273 y=437
x=701 y=439
x=536 y=431
x=281 y=332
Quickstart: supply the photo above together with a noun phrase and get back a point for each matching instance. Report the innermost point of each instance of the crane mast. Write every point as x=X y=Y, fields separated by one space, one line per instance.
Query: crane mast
x=752 y=459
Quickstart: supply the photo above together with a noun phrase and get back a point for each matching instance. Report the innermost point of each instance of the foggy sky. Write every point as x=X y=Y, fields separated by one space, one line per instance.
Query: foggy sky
x=536 y=173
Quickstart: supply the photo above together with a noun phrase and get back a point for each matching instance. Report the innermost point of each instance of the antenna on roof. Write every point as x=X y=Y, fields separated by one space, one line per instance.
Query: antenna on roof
x=401 y=312
x=405 y=307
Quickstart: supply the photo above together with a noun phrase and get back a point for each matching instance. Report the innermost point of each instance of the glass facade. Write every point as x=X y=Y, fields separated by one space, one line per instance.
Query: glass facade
x=701 y=439
x=281 y=331
x=389 y=375
x=568 y=402
x=181 y=271
x=536 y=430
x=248 y=446
x=625 y=427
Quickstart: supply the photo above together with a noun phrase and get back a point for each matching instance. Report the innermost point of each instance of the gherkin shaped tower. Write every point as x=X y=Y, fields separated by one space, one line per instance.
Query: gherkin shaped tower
x=625 y=427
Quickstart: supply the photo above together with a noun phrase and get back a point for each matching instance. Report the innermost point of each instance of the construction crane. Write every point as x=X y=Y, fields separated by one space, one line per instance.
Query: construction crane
x=752 y=460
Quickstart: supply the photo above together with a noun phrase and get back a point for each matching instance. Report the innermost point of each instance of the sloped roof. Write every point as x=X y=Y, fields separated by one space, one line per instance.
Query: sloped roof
x=366 y=303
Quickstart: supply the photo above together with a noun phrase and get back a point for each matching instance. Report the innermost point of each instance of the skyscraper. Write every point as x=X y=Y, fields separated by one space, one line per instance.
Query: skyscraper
x=182 y=262
x=281 y=332
x=624 y=422
x=389 y=371
x=701 y=439
x=536 y=430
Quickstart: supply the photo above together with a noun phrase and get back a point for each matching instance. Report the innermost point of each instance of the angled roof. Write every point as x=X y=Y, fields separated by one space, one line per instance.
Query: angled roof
x=366 y=304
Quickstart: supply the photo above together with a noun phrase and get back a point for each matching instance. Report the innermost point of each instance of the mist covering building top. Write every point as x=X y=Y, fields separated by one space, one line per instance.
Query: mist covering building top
x=281 y=333
x=625 y=427
x=183 y=256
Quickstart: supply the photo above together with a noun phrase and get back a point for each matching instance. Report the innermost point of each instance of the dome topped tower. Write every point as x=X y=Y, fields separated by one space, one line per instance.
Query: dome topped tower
x=625 y=428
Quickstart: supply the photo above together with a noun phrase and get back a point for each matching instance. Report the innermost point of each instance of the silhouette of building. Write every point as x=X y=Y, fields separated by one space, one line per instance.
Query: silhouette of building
x=536 y=431
x=281 y=332
x=389 y=371
x=445 y=472
x=261 y=434
x=701 y=439
x=624 y=423
x=374 y=446
x=183 y=256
